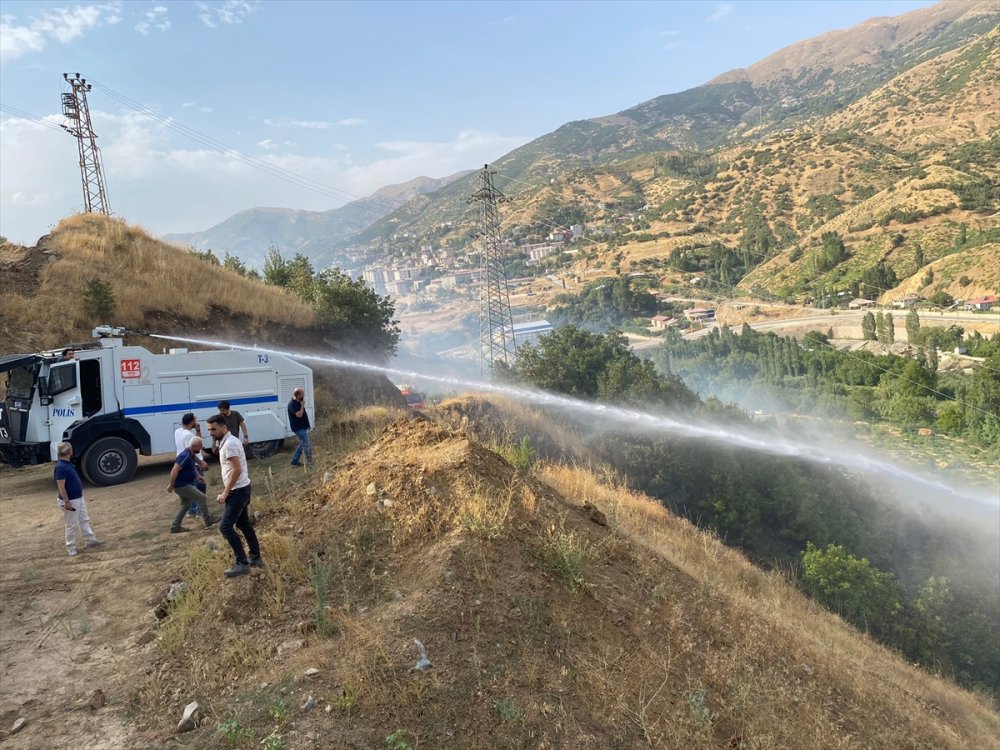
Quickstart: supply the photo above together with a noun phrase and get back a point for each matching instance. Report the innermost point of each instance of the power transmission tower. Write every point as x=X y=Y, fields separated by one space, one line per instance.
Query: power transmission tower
x=496 y=326
x=77 y=111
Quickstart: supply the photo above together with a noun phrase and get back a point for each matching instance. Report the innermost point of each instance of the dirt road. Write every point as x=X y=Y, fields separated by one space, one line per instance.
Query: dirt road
x=73 y=625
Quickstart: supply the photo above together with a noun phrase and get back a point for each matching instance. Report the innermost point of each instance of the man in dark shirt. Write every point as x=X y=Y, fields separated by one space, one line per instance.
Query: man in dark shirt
x=234 y=423
x=298 y=422
x=72 y=502
x=183 y=480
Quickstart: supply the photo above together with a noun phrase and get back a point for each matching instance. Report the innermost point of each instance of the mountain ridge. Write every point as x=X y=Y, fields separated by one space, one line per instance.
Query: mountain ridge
x=248 y=233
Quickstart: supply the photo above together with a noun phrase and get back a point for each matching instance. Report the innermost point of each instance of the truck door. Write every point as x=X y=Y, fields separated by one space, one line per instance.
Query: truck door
x=65 y=407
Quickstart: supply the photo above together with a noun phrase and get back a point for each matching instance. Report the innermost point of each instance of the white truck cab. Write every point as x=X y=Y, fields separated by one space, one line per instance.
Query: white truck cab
x=114 y=401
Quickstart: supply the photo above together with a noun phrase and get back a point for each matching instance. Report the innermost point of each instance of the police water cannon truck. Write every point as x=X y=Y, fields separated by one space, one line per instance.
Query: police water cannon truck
x=112 y=402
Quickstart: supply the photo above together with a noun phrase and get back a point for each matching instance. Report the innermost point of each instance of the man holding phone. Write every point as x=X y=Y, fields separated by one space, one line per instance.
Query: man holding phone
x=298 y=422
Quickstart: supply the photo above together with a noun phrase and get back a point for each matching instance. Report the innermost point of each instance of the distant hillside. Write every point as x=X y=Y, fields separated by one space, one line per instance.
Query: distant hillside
x=249 y=233
x=817 y=76
x=887 y=134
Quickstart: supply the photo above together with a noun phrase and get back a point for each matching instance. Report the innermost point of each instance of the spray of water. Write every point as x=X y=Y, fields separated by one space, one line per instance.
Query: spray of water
x=842 y=456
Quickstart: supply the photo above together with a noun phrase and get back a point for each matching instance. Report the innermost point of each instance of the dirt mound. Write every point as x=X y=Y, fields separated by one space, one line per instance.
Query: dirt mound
x=547 y=620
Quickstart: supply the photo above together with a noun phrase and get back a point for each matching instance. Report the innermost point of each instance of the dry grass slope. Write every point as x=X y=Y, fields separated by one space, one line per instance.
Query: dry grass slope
x=545 y=628
x=150 y=280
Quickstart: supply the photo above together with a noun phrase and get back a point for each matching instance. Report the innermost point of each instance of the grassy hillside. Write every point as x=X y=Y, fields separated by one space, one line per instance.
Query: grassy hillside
x=557 y=608
x=155 y=286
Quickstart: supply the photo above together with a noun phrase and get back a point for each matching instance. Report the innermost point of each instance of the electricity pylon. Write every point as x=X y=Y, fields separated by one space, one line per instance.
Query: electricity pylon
x=77 y=111
x=496 y=326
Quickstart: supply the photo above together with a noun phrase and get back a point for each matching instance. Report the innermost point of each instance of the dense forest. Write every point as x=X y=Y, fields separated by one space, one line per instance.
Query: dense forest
x=924 y=588
x=817 y=379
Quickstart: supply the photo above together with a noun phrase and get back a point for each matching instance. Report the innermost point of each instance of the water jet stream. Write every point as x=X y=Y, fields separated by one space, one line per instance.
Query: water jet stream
x=844 y=457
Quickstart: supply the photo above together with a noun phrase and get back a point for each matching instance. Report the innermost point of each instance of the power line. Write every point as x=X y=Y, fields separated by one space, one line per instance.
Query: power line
x=22 y=115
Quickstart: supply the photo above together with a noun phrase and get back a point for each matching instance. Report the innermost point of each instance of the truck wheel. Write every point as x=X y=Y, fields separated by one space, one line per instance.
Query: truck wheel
x=109 y=461
x=263 y=449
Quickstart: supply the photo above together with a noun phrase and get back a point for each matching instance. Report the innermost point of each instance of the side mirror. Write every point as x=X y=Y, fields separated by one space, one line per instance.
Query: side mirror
x=43 y=391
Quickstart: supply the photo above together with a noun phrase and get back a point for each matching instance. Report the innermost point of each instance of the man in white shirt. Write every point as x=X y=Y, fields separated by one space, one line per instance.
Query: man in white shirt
x=236 y=496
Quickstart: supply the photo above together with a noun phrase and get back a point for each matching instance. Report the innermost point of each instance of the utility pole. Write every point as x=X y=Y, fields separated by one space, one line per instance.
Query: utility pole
x=496 y=326
x=77 y=111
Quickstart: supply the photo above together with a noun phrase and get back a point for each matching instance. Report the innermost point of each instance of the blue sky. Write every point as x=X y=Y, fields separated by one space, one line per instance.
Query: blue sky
x=350 y=95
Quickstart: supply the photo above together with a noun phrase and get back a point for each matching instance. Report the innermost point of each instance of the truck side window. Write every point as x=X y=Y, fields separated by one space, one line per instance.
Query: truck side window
x=90 y=386
x=62 y=378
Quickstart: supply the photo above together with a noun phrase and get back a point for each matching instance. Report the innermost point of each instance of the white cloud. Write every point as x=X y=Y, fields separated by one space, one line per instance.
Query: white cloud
x=61 y=24
x=349 y=121
x=288 y=122
x=722 y=10
x=156 y=18
x=162 y=184
x=230 y=12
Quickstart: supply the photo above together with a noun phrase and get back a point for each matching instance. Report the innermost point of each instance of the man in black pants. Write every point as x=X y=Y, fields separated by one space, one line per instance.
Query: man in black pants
x=236 y=496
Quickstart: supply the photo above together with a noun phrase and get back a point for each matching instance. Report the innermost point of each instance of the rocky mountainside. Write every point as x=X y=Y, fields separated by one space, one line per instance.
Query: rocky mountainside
x=249 y=233
x=885 y=134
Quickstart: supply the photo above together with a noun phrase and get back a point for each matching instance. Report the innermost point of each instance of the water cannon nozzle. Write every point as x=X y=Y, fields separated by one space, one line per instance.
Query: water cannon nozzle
x=108 y=332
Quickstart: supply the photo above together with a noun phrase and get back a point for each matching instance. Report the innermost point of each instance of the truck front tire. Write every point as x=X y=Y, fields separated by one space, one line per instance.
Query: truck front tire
x=110 y=461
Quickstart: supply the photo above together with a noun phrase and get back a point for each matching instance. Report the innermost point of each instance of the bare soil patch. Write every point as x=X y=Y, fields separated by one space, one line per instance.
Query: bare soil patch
x=72 y=625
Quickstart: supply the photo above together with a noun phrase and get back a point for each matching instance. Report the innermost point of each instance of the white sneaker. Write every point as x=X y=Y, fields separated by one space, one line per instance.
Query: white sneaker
x=72 y=551
x=95 y=543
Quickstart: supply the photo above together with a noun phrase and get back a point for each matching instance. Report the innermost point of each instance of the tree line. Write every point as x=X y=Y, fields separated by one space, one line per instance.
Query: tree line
x=348 y=311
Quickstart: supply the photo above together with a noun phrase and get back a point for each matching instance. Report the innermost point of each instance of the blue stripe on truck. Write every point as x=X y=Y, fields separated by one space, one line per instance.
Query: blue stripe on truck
x=132 y=411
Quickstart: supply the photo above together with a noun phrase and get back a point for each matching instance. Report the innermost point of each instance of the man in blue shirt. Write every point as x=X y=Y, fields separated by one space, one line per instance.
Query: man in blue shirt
x=298 y=422
x=184 y=479
x=72 y=502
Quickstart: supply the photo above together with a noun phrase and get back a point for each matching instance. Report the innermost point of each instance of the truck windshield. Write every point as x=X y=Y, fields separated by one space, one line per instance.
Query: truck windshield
x=19 y=383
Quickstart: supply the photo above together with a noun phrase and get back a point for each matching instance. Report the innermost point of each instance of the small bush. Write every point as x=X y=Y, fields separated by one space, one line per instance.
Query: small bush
x=319 y=578
x=699 y=711
x=397 y=741
x=235 y=734
x=567 y=557
x=508 y=710
x=99 y=301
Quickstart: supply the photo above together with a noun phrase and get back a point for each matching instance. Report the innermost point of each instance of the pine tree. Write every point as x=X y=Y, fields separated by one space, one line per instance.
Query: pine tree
x=99 y=301
x=912 y=325
x=868 y=327
x=880 y=332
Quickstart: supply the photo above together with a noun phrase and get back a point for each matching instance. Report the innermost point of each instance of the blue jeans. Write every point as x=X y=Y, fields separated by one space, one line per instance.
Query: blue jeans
x=304 y=445
x=237 y=514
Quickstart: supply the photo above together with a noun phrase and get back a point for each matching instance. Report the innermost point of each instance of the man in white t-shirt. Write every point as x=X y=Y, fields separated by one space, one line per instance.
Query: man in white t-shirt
x=236 y=496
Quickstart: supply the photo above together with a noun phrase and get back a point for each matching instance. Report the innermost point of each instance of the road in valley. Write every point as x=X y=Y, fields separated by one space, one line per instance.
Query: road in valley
x=821 y=321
